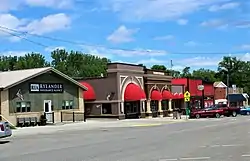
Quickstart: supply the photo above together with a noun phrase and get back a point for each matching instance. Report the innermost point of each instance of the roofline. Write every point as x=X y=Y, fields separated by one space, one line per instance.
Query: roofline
x=124 y=64
x=45 y=71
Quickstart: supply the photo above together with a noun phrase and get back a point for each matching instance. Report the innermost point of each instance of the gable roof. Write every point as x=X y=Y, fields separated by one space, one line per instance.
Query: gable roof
x=220 y=84
x=12 y=78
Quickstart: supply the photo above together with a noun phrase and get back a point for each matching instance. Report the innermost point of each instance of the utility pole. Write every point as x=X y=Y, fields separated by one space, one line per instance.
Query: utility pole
x=171 y=67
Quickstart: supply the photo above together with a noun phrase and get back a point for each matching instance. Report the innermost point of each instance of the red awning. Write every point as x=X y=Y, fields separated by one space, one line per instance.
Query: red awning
x=181 y=96
x=166 y=95
x=90 y=93
x=156 y=95
x=133 y=93
x=175 y=96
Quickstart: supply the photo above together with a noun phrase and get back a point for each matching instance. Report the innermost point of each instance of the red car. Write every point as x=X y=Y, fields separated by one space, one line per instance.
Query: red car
x=228 y=111
x=207 y=112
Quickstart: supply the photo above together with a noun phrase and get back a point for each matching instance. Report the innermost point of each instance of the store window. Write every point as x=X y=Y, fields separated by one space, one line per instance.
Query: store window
x=67 y=104
x=23 y=106
x=106 y=108
x=165 y=104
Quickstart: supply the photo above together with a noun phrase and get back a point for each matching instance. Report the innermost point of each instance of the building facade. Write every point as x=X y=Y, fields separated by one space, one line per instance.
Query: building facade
x=129 y=91
x=33 y=92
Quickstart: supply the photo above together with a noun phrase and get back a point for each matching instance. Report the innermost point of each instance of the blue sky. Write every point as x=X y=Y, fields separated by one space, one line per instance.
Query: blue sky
x=195 y=33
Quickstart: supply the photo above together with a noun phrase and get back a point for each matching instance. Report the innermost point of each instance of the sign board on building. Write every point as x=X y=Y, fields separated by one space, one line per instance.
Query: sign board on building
x=200 y=87
x=46 y=88
x=159 y=73
x=234 y=88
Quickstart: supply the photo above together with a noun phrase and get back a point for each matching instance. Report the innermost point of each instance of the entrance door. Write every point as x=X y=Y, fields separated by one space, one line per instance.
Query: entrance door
x=47 y=104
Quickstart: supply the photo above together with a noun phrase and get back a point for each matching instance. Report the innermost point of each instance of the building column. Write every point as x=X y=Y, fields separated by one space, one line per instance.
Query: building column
x=121 y=110
x=170 y=105
x=160 y=111
x=143 y=109
x=148 y=112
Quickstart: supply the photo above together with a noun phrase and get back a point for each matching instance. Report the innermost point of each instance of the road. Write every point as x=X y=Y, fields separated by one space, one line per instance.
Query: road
x=225 y=139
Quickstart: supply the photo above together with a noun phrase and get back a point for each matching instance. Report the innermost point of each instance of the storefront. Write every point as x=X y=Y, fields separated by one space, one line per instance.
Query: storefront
x=33 y=92
x=178 y=97
x=128 y=91
x=120 y=95
x=157 y=83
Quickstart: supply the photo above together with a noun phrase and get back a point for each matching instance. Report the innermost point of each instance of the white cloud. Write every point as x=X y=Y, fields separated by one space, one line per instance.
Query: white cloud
x=156 y=10
x=50 y=49
x=202 y=61
x=245 y=57
x=191 y=43
x=48 y=24
x=7 y=5
x=245 y=46
x=151 y=61
x=226 y=6
x=182 y=21
x=122 y=35
x=167 y=37
x=50 y=3
x=215 y=23
x=98 y=50
x=14 y=53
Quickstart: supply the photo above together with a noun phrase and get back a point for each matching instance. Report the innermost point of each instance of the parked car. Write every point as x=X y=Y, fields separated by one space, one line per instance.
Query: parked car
x=245 y=111
x=5 y=130
x=228 y=110
x=207 y=112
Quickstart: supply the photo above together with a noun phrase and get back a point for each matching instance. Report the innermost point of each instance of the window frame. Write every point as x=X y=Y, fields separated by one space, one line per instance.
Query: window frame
x=23 y=106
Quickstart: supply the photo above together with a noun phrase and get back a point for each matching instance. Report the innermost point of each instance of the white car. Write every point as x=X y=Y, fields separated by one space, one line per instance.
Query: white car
x=5 y=130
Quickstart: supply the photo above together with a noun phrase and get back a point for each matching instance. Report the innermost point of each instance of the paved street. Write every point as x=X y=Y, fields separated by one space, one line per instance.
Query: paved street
x=225 y=139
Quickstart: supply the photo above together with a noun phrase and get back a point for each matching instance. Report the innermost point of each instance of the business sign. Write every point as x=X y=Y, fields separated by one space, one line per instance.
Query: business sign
x=46 y=88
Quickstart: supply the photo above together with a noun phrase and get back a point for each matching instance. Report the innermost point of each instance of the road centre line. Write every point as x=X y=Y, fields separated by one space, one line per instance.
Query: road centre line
x=196 y=158
x=245 y=155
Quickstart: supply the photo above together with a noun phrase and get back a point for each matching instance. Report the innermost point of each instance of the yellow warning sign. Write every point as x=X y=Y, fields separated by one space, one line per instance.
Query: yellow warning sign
x=186 y=94
x=187 y=99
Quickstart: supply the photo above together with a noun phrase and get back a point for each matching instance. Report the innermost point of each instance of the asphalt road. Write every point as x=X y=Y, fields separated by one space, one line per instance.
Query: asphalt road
x=225 y=139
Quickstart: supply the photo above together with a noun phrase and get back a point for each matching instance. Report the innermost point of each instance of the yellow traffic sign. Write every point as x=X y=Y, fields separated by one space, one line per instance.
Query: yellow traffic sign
x=187 y=99
x=186 y=94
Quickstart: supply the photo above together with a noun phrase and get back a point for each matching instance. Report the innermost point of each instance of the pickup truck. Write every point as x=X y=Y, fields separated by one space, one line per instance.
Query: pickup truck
x=5 y=130
x=228 y=111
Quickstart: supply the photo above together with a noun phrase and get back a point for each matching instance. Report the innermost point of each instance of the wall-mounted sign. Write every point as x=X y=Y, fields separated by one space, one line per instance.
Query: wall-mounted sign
x=46 y=88
x=159 y=73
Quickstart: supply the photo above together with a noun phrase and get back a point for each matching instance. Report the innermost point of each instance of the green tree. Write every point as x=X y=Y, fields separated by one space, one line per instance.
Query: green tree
x=186 y=72
x=205 y=74
x=159 y=67
x=78 y=64
x=234 y=68
x=29 y=61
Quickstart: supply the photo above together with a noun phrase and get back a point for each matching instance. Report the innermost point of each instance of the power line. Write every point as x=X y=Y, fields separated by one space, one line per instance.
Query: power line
x=110 y=48
x=31 y=41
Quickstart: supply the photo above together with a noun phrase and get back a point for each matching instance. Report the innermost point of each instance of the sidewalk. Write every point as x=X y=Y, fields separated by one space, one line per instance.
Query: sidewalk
x=94 y=124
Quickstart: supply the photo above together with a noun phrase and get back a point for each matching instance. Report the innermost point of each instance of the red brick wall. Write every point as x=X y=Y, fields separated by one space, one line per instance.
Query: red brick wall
x=220 y=93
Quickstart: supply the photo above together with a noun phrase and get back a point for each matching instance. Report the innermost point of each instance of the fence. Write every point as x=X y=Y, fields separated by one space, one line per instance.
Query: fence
x=72 y=116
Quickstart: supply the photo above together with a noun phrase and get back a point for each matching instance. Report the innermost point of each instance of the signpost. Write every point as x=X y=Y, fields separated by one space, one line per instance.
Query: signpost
x=187 y=100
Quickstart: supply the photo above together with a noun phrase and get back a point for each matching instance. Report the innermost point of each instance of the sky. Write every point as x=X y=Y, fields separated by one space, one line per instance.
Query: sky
x=194 y=33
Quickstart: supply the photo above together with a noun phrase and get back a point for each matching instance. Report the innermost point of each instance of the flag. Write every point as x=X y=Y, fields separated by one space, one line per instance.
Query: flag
x=19 y=94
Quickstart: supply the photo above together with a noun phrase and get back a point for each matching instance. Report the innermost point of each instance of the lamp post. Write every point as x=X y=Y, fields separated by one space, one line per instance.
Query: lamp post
x=228 y=102
x=201 y=88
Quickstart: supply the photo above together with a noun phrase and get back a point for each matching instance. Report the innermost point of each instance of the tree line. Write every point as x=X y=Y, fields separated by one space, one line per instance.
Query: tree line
x=77 y=64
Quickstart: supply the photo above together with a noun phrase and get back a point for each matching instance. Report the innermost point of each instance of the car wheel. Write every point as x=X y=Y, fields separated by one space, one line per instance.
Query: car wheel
x=217 y=115
x=234 y=113
x=248 y=113
x=197 y=116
